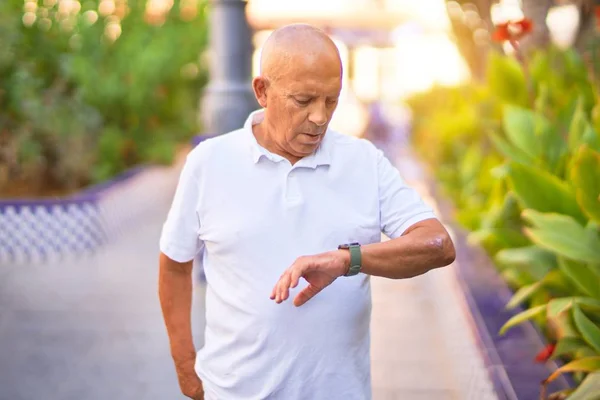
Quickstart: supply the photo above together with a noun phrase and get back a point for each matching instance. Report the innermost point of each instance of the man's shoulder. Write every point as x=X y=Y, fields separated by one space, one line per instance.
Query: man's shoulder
x=348 y=143
x=227 y=142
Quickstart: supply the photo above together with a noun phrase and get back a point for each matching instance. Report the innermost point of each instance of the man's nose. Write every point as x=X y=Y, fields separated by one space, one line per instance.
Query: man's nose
x=318 y=114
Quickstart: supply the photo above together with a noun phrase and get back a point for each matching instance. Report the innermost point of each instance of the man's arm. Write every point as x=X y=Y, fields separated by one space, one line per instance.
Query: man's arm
x=424 y=246
x=175 y=294
x=419 y=242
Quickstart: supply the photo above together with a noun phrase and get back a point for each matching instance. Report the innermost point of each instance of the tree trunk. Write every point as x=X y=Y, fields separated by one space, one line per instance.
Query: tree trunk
x=587 y=24
x=474 y=54
x=537 y=11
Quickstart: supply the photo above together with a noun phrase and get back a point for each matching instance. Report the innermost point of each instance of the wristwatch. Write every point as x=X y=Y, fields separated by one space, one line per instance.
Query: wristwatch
x=355 y=257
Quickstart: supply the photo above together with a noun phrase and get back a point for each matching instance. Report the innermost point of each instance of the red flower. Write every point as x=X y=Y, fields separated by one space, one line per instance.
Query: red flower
x=546 y=353
x=597 y=12
x=512 y=30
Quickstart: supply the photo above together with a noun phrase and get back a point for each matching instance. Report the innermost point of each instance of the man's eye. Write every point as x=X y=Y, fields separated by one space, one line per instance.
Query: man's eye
x=302 y=102
x=332 y=101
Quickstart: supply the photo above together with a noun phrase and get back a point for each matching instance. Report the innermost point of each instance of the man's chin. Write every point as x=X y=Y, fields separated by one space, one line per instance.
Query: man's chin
x=308 y=148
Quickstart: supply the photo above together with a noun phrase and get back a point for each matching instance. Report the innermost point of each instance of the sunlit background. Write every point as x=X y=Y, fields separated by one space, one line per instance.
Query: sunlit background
x=390 y=48
x=394 y=48
x=379 y=64
x=102 y=100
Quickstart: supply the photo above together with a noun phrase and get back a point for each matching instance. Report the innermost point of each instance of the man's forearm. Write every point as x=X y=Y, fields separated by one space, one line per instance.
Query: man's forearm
x=424 y=247
x=175 y=293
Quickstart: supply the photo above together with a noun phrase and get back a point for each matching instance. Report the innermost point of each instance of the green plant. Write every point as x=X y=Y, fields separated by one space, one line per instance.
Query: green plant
x=86 y=94
x=540 y=181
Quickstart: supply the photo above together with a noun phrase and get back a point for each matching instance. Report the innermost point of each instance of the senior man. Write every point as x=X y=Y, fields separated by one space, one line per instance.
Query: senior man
x=287 y=208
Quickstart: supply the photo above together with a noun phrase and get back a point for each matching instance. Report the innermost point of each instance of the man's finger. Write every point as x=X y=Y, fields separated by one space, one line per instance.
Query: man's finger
x=295 y=277
x=284 y=285
x=305 y=295
x=275 y=294
x=272 y=297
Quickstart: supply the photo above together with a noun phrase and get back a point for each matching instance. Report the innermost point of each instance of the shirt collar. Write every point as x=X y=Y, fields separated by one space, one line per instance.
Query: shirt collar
x=321 y=156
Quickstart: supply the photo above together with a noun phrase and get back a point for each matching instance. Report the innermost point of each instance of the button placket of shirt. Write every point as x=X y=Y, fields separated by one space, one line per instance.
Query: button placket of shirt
x=292 y=186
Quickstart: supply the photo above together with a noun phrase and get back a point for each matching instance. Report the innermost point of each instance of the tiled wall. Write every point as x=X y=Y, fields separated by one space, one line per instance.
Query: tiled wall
x=48 y=230
x=32 y=232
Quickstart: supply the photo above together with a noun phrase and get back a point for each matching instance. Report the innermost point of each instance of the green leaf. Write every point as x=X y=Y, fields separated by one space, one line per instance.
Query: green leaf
x=506 y=79
x=523 y=294
x=494 y=239
x=556 y=283
x=563 y=326
x=584 y=352
x=588 y=364
x=514 y=277
x=588 y=304
x=589 y=389
x=29 y=150
x=509 y=151
x=558 y=306
x=533 y=259
x=581 y=131
x=544 y=192
x=504 y=213
x=585 y=177
x=522 y=317
x=520 y=128
x=578 y=125
x=581 y=275
x=563 y=235
x=542 y=102
x=596 y=117
x=588 y=329
x=562 y=304
x=567 y=345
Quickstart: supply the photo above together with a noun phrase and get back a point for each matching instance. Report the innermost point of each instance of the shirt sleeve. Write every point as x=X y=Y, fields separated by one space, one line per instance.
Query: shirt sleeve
x=400 y=205
x=179 y=238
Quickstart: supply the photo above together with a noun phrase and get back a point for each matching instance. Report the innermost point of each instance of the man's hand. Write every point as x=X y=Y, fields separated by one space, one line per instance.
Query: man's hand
x=175 y=294
x=319 y=271
x=189 y=383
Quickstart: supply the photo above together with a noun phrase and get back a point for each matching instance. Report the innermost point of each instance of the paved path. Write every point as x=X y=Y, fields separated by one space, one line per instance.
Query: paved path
x=93 y=330
x=88 y=330
x=422 y=347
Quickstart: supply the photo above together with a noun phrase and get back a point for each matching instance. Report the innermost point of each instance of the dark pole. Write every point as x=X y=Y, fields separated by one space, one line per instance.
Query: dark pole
x=228 y=97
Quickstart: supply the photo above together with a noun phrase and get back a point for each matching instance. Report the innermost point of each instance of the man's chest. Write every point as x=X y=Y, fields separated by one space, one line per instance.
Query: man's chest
x=304 y=208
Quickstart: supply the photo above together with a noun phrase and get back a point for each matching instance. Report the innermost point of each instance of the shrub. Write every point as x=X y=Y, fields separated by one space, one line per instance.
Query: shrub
x=523 y=168
x=83 y=96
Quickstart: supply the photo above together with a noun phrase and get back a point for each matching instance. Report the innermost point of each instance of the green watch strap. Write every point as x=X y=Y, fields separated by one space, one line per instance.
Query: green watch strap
x=355 y=260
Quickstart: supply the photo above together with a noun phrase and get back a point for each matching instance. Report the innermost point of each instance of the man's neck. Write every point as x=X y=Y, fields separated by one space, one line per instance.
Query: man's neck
x=266 y=138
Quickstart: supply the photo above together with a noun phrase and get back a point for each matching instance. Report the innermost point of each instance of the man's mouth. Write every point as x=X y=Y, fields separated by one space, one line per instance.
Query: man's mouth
x=313 y=138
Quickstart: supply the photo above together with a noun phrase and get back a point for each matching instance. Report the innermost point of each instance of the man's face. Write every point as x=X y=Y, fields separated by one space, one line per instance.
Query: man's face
x=301 y=104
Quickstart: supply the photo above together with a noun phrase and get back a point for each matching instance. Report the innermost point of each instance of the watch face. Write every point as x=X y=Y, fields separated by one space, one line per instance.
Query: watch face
x=347 y=246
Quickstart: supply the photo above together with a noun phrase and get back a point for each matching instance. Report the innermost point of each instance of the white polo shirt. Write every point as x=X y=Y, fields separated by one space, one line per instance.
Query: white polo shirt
x=251 y=214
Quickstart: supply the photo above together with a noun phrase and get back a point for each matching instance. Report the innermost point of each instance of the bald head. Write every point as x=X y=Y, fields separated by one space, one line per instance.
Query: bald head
x=299 y=86
x=296 y=46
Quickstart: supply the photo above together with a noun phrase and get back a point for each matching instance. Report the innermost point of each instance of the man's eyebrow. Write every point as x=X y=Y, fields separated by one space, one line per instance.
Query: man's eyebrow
x=311 y=94
x=300 y=93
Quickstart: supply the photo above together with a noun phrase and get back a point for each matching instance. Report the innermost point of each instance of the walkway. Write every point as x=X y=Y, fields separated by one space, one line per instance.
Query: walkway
x=422 y=347
x=93 y=330
x=88 y=330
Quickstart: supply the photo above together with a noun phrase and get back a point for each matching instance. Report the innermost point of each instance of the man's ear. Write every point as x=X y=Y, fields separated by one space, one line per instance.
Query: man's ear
x=260 y=85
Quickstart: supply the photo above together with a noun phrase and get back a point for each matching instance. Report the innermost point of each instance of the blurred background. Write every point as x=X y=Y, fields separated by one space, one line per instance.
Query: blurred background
x=495 y=102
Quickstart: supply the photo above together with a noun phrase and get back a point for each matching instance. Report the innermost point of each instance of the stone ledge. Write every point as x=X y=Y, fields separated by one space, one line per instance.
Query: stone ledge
x=52 y=229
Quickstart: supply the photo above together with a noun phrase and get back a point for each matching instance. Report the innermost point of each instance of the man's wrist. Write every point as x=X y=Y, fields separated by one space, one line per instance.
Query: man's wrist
x=184 y=358
x=345 y=256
